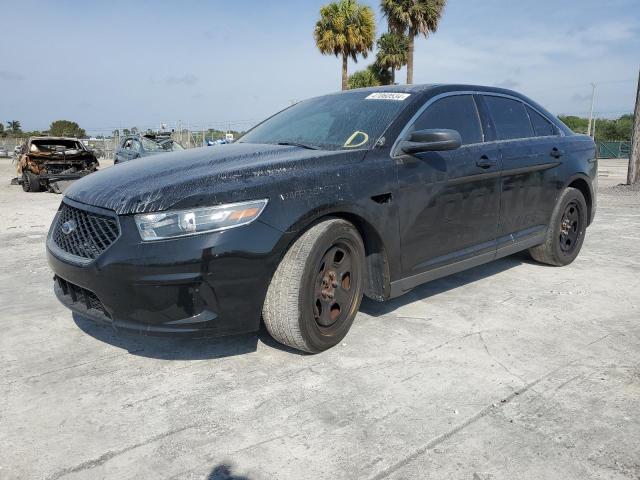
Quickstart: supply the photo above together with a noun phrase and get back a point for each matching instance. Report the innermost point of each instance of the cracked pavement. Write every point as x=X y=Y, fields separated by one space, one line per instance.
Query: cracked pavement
x=509 y=370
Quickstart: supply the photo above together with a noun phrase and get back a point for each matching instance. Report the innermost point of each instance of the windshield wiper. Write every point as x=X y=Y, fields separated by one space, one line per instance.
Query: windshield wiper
x=301 y=145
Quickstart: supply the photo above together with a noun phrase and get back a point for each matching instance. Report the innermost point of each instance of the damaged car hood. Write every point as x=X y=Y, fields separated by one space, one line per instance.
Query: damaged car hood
x=200 y=177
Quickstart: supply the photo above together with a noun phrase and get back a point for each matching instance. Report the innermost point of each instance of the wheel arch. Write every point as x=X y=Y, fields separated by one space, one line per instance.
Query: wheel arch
x=377 y=275
x=582 y=183
x=377 y=278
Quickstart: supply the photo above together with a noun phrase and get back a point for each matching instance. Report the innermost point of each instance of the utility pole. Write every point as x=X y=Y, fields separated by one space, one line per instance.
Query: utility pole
x=593 y=101
x=633 y=174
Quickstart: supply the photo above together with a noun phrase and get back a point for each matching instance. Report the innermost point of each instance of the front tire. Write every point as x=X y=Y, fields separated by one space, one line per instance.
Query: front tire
x=566 y=231
x=317 y=288
x=30 y=182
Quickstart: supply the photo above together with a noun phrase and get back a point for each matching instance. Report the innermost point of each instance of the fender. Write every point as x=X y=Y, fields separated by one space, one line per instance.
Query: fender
x=585 y=181
x=380 y=243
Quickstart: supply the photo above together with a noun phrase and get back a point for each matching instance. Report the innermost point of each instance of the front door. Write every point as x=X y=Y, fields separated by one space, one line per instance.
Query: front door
x=449 y=201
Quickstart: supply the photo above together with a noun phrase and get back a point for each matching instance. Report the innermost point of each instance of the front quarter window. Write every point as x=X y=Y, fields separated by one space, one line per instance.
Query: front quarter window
x=334 y=122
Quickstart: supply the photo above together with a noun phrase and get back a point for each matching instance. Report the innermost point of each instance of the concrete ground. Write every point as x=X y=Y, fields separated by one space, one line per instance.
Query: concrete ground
x=513 y=370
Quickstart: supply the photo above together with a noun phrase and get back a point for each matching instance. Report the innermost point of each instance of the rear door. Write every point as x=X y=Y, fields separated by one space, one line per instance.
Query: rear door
x=528 y=169
x=448 y=201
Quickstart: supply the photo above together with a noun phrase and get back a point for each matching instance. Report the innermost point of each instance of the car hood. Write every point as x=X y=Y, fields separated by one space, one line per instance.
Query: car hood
x=198 y=177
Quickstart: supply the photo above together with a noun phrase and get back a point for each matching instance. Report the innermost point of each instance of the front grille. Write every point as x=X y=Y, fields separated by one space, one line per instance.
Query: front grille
x=57 y=169
x=89 y=234
x=79 y=295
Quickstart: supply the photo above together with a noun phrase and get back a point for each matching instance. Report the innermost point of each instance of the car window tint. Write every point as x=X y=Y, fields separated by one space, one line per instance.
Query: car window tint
x=510 y=118
x=457 y=112
x=541 y=126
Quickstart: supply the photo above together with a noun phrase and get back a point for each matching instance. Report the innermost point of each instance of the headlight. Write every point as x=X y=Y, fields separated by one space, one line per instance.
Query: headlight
x=179 y=223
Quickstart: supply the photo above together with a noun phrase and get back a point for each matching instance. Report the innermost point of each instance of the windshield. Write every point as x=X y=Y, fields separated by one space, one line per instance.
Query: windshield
x=332 y=122
x=54 y=145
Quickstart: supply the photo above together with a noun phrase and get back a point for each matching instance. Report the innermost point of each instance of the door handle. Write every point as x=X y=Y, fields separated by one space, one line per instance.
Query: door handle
x=485 y=162
x=556 y=152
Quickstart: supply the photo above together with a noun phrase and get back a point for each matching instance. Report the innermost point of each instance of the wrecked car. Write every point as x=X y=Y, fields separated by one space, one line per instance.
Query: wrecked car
x=50 y=163
x=363 y=192
x=165 y=140
x=137 y=146
x=170 y=145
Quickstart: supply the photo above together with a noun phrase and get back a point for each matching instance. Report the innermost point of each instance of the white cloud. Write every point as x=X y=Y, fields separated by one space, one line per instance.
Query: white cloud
x=555 y=67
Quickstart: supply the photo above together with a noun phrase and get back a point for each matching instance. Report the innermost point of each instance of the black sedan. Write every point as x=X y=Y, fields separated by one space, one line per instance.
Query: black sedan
x=365 y=192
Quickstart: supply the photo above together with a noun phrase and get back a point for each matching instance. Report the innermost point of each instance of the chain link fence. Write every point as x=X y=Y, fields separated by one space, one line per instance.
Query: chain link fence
x=614 y=150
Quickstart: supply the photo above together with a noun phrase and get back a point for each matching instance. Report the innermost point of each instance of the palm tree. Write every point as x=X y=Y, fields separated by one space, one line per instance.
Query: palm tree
x=14 y=126
x=345 y=29
x=392 y=52
x=414 y=17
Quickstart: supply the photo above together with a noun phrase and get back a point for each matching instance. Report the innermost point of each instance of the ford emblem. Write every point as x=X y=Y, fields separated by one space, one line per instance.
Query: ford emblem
x=69 y=227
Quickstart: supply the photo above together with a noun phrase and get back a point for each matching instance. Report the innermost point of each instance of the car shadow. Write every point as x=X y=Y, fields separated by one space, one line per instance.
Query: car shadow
x=445 y=284
x=179 y=348
x=224 y=472
x=185 y=348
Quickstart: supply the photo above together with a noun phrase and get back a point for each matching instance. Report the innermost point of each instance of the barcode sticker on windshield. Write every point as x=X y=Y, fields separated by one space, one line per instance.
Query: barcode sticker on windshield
x=387 y=96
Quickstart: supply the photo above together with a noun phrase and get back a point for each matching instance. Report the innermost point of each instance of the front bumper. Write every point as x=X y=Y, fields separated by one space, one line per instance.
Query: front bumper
x=209 y=285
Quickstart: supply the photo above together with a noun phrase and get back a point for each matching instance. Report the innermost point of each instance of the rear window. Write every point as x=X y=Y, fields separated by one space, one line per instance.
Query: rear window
x=541 y=126
x=458 y=112
x=510 y=118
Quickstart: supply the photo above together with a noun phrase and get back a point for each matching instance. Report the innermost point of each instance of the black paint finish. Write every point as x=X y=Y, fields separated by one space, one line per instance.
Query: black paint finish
x=421 y=216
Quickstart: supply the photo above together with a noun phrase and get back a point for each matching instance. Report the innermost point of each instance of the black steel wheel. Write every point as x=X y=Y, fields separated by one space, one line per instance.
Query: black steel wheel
x=566 y=230
x=316 y=290
x=334 y=292
x=570 y=227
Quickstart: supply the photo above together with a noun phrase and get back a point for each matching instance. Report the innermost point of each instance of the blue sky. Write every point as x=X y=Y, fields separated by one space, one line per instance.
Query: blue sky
x=123 y=63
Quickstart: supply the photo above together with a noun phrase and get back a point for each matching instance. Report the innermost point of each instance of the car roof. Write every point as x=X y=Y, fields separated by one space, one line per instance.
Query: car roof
x=442 y=87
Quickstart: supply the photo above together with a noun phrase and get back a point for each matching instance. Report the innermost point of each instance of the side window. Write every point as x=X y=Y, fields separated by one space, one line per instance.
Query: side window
x=510 y=118
x=541 y=126
x=136 y=147
x=127 y=144
x=457 y=112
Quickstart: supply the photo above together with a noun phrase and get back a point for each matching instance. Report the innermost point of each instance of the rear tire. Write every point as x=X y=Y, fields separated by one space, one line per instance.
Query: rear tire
x=30 y=182
x=317 y=288
x=566 y=231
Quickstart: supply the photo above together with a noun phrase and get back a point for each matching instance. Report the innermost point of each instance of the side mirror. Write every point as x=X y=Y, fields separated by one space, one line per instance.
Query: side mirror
x=431 y=140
